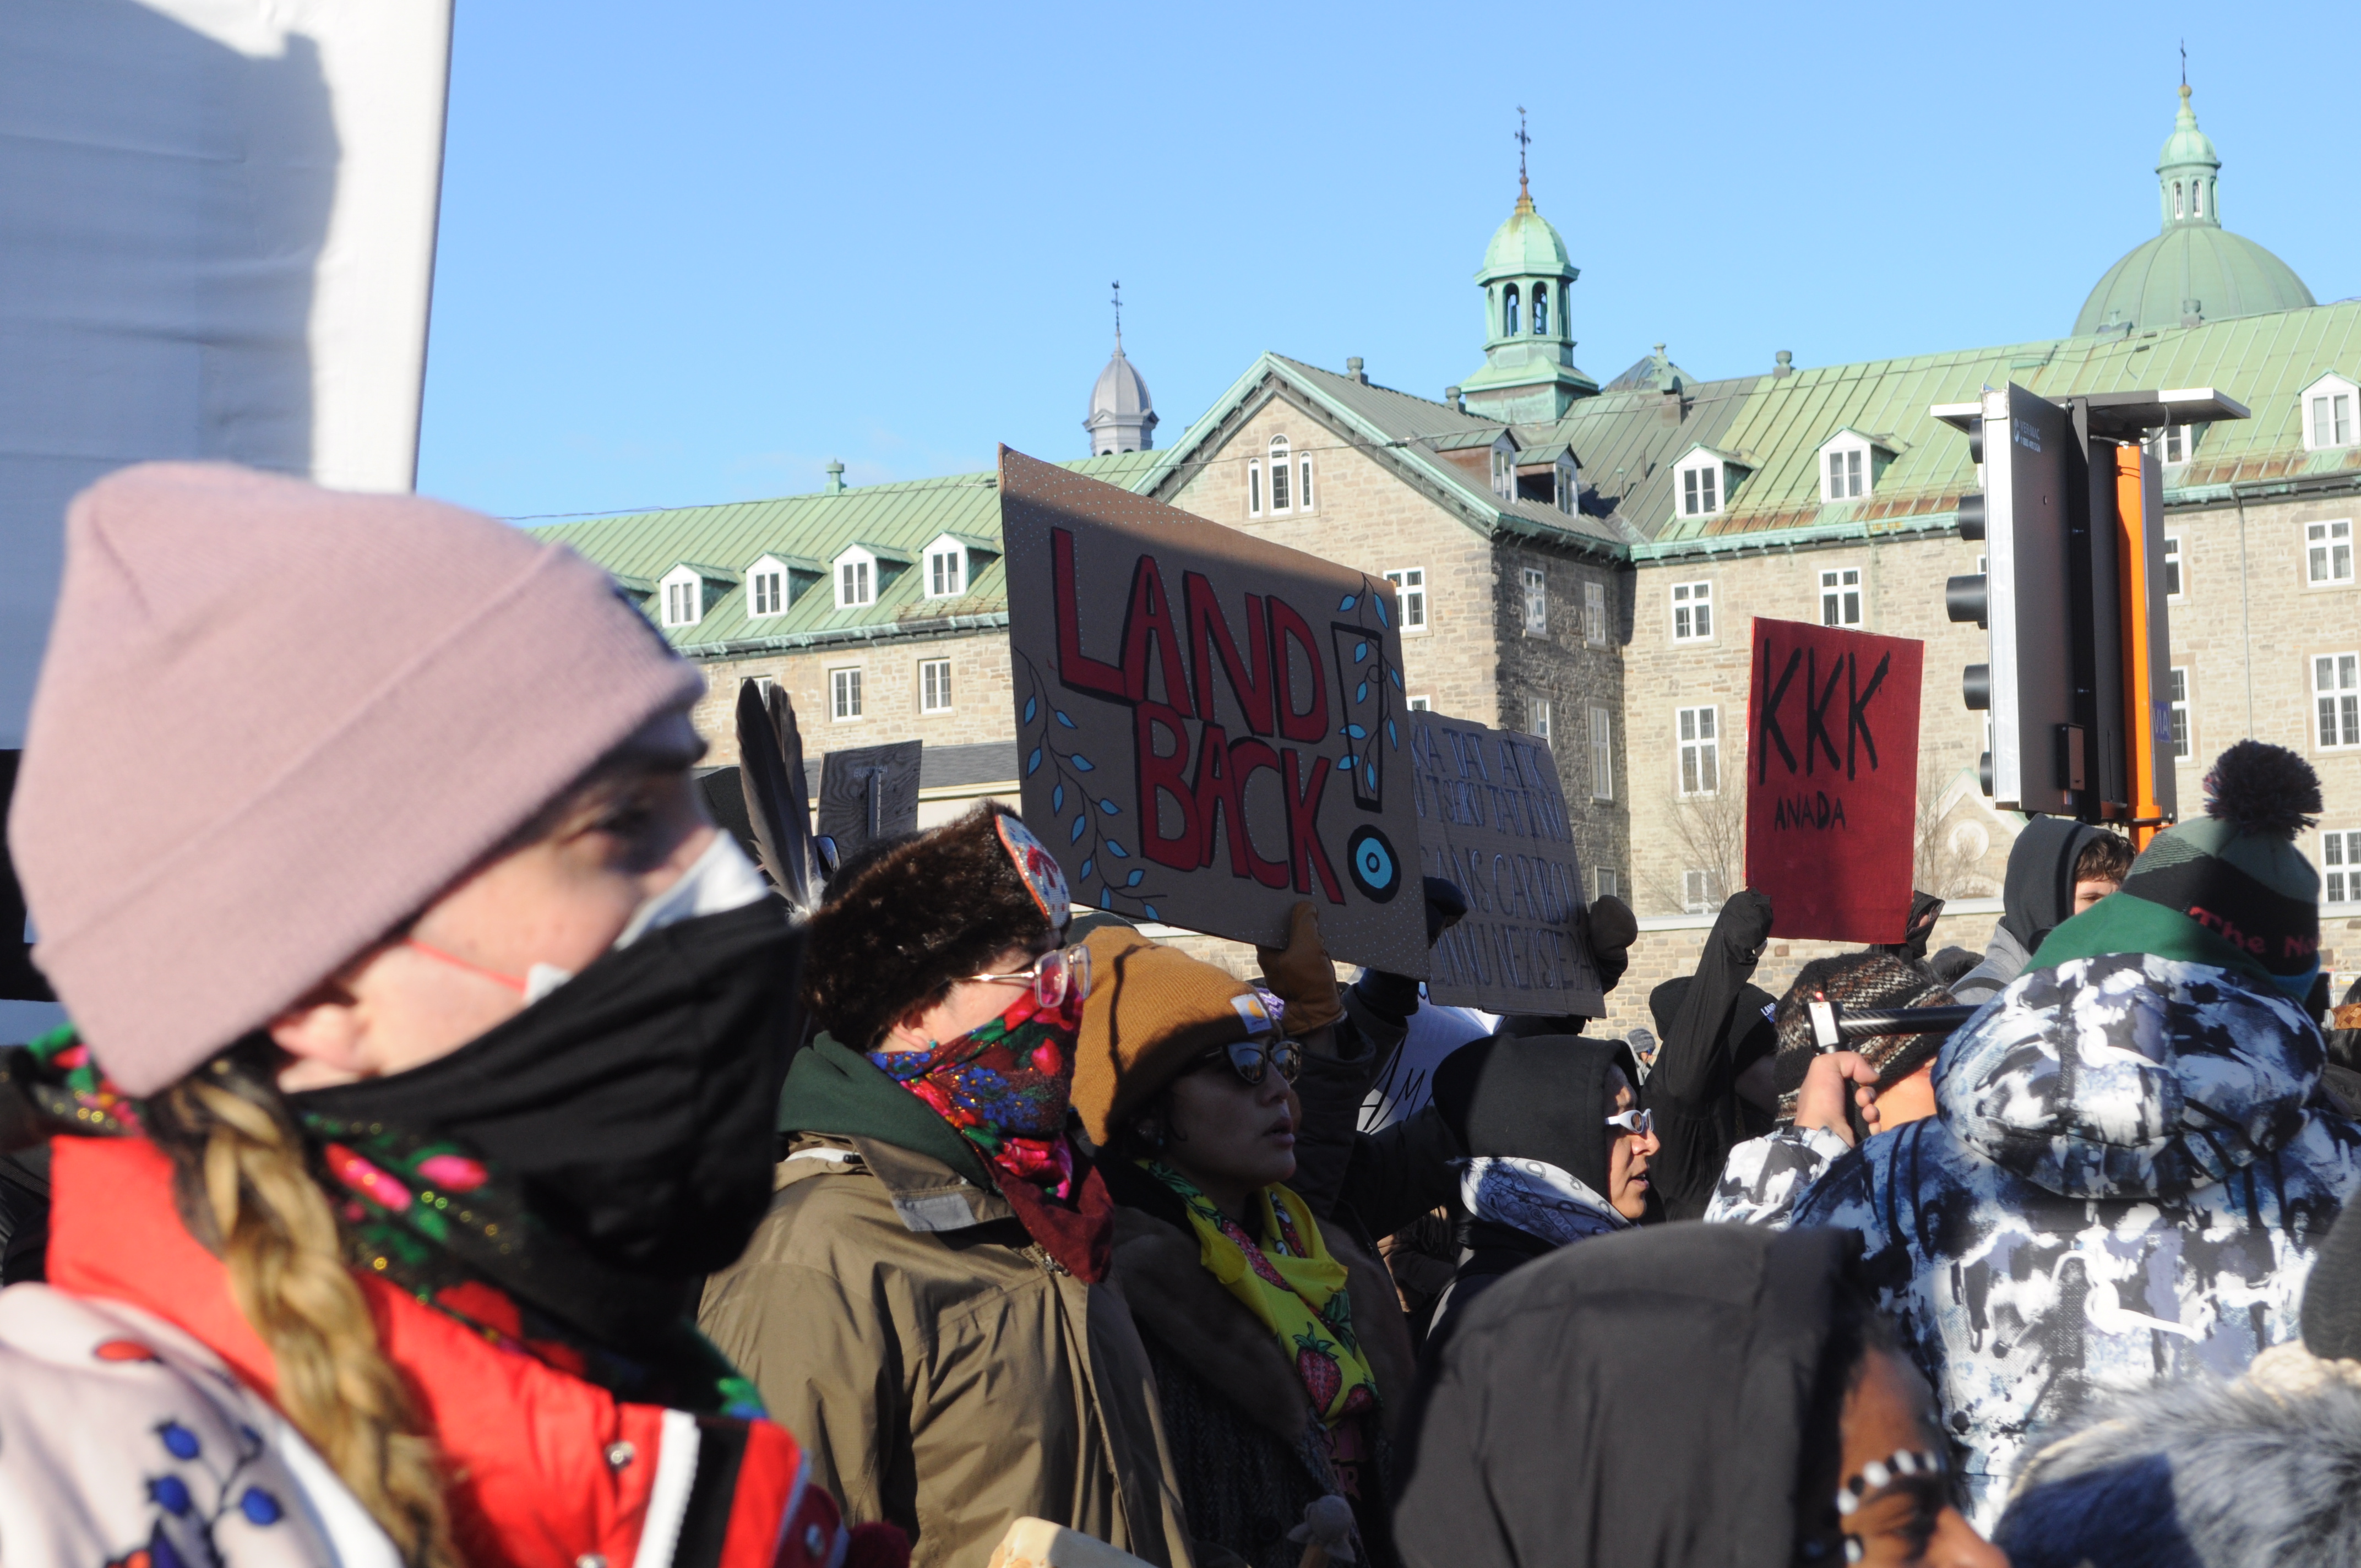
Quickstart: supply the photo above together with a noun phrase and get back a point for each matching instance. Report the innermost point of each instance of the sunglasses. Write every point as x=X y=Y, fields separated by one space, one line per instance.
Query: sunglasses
x=1639 y=1124
x=1251 y=1060
x=1056 y=976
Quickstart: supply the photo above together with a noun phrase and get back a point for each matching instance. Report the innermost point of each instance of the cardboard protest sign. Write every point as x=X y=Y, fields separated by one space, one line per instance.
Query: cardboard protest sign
x=1491 y=816
x=1832 y=785
x=869 y=793
x=1209 y=725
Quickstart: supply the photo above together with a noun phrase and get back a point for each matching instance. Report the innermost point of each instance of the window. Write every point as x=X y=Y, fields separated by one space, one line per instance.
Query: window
x=1509 y=313
x=1844 y=476
x=1410 y=595
x=1697 y=490
x=1692 y=611
x=770 y=590
x=1841 y=597
x=934 y=685
x=2336 y=692
x=2177 y=210
x=945 y=572
x=1421 y=705
x=1701 y=890
x=1254 y=487
x=2172 y=566
x=1304 y=484
x=1541 y=309
x=1279 y=474
x=2181 y=743
x=1602 y=752
x=1700 y=752
x=1605 y=883
x=844 y=694
x=1594 y=612
x=1536 y=602
x=681 y=602
x=1537 y=718
x=2332 y=419
x=2340 y=866
x=1568 y=487
x=2328 y=552
x=2172 y=444
x=856 y=581
x=1504 y=478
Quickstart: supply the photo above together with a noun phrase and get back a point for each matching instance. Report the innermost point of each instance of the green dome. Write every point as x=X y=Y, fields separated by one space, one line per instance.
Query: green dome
x=2195 y=268
x=1525 y=246
x=2226 y=274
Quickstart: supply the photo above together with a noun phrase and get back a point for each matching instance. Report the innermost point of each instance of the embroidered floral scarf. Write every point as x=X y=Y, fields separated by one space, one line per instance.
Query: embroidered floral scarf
x=441 y=1223
x=1006 y=1088
x=1288 y=1282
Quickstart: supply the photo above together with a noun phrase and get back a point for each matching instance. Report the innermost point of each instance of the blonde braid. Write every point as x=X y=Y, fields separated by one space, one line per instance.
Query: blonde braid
x=241 y=1166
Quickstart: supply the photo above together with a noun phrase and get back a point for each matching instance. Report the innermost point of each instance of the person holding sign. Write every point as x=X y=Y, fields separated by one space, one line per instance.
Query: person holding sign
x=926 y=1301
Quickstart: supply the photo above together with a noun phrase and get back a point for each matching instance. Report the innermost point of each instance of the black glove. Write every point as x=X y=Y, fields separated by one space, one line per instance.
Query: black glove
x=1744 y=925
x=1446 y=906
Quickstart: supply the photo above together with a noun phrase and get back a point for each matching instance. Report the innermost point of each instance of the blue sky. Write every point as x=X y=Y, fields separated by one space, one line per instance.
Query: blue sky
x=688 y=253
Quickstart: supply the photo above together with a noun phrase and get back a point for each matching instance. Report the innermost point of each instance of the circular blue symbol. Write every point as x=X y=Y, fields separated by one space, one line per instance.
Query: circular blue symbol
x=1369 y=860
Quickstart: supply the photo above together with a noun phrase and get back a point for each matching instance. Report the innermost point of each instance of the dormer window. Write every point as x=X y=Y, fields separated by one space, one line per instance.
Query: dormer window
x=1569 y=483
x=1697 y=490
x=2172 y=445
x=1850 y=464
x=1504 y=469
x=856 y=579
x=769 y=584
x=945 y=569
x=682 y=592
x=2330 y=405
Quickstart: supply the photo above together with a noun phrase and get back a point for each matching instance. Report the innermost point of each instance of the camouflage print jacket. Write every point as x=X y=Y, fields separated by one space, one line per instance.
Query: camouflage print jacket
x=2131 y=1169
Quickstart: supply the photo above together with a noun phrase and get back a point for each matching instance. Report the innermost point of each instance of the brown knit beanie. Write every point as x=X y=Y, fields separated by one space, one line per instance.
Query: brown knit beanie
x=1152 y=1010
x=274 y=721
x=1863 y=981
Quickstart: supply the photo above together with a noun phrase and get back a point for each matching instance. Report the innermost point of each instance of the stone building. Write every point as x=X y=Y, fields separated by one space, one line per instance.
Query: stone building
x=1581 y=560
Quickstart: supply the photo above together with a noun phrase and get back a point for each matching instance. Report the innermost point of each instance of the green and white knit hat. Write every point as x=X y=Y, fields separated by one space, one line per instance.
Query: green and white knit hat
x=2236 y=872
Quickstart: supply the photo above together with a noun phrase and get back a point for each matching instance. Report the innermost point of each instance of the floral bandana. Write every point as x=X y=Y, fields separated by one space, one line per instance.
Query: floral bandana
x=1005 y=1087
x=1536 y=1197
x=1290 y=1282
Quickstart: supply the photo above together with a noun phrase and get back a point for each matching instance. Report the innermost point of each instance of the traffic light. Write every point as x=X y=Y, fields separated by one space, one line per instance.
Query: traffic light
x=2072 y=599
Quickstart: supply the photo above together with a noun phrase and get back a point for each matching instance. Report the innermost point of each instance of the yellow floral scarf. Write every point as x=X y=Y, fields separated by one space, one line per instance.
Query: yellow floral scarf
x=1291 y=1283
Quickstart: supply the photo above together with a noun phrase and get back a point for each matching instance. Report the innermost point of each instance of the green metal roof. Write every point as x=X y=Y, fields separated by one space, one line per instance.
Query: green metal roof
x=1526 y=246
x=895 y=520
x=2227 y=274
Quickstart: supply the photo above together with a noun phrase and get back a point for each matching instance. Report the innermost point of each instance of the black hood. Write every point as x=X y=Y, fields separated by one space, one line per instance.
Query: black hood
x=1542 y=1097
x=2040 y=894
x=1639 y=1398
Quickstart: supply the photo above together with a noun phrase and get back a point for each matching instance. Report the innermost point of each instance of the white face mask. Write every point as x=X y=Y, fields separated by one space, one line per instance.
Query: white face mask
x=720 y=879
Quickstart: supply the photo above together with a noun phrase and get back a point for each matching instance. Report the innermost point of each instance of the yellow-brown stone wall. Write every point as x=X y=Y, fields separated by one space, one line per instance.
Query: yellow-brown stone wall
x=981 y=707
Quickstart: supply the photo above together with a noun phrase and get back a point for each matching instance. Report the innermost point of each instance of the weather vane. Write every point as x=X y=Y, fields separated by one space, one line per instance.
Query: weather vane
x=1118 y=311
x=1524 y=141
x=2184 y=62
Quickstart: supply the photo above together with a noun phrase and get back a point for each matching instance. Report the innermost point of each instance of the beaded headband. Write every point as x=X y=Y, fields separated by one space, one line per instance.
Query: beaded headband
x=1876 y=1475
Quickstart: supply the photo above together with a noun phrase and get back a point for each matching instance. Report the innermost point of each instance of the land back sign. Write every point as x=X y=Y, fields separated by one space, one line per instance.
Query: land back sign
x=1210 y=726
x=1832 y=779
x=1491 y=817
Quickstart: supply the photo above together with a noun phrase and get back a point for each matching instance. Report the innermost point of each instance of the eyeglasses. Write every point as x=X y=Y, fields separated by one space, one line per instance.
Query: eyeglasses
x=1055 y=977
x=1639 y=1124
x=1251 y=1059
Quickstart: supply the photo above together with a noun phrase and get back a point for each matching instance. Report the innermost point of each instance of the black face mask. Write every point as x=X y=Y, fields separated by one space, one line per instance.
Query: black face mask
x=632 y=1107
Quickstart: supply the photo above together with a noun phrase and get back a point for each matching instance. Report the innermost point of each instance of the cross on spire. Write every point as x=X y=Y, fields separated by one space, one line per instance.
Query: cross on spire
x=1523 y=141
x=1118 y=313
x=2184 y=62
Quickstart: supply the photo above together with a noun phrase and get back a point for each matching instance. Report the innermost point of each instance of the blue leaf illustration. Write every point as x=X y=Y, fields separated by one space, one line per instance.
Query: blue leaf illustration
x=1382 y=619
x=1391 y=738
x=1345 y=764
x=1356 y=733
x=1081 y=762
x=1150 y=909
x=1110 y=808
x=1086 y=870
x=1032 y=705
x=1080 y=823
x=1360 y=652
x=1118 y=850
x=1397 y=675
x=1134 y=879
x=1062 y=719
x=1032 y=762
x=1058 y=798
x=1361 y=692
x=1373 y=777
x=1350 y=600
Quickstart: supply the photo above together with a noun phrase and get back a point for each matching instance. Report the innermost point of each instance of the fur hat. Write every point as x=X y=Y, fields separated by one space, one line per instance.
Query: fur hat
x=1152 y=1010
x=1856 y=979
x=932 y=909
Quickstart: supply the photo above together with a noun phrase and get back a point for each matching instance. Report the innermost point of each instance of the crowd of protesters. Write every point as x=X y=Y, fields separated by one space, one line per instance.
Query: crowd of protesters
x=460 y=1157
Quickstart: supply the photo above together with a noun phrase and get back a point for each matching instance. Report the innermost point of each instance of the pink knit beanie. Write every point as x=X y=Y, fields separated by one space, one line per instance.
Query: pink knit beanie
x=275 y=720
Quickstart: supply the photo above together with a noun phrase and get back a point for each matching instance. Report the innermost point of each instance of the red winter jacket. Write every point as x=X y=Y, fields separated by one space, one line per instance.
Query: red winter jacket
x=546 y=1471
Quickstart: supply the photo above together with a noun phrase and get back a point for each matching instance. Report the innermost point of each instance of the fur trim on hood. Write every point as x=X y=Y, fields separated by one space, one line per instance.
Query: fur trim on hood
x=1156 y=1267
x=2261 y=1472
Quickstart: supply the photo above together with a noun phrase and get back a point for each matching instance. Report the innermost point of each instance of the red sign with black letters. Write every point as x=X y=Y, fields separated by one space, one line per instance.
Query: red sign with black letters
x=1210 y=726
x=1832 y=779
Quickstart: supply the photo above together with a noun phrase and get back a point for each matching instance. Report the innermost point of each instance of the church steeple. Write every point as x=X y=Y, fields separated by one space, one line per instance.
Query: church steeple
x=2186 y=172
x=1528 y=374
x=1122 y=417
